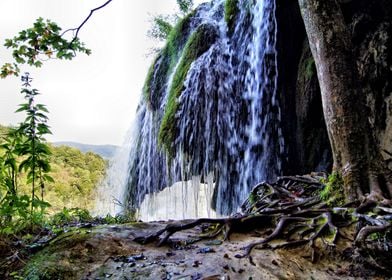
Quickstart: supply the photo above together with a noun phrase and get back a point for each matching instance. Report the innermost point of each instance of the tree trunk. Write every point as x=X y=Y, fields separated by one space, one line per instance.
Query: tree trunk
x=354 y=149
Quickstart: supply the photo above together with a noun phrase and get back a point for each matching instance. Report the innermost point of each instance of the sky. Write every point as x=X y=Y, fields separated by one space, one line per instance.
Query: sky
x=91 y=99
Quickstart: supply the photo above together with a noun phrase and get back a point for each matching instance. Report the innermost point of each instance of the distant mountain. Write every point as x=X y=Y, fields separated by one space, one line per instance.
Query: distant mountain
x=105 y=151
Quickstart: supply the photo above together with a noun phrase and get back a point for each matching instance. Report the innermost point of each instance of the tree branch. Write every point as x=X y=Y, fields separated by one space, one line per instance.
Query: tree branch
x=77 y=29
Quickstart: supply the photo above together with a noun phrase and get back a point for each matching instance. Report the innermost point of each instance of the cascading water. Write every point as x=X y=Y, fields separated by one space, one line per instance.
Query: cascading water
x=227 y=134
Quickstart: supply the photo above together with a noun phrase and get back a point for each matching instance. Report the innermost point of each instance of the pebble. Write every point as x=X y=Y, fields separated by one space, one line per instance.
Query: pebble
x=206 y=250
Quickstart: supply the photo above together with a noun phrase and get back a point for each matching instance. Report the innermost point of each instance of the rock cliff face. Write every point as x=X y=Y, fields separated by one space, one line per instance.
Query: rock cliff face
x=233 y=98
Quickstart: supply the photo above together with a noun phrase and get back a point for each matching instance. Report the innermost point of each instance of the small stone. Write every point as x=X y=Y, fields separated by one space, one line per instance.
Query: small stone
x=274 y=262
x=213 y=243
x=206 y=250
x=196 y=264
x=196 y=276
x=226 y=256
x=241 y=270
x=170 y=254
x=226 y=267
x=138 y=257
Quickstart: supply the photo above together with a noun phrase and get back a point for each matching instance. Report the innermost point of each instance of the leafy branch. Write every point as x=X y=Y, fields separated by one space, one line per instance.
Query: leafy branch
x=42 y=42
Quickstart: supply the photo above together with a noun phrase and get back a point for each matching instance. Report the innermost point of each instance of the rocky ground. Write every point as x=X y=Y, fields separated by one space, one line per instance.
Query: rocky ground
x=109 y=252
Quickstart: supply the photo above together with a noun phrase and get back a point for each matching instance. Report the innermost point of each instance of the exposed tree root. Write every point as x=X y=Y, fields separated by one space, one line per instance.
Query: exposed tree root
x=292 y=209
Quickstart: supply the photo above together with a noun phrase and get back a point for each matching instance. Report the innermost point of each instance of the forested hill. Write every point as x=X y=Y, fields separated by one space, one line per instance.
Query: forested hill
x=105 y=151
x=76 y=175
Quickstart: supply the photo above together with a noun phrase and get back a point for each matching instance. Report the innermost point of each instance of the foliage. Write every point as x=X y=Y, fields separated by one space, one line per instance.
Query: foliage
x=185 y=5
x=33 y=148
x=24 y=150
x=333 y=192
x=75 y=175
x=41 y=42
x=125 y=218
x=198 y=43
x=165 y=62
x=8 y=164
x=161 y=27
x=231 y=11
x=71 y=216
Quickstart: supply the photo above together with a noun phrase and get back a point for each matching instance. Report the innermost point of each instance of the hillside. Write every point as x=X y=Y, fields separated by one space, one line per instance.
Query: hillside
x=105 y=151
x=75 y=174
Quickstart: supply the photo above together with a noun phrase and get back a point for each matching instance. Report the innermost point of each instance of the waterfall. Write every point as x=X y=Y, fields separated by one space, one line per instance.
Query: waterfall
x=227 y=134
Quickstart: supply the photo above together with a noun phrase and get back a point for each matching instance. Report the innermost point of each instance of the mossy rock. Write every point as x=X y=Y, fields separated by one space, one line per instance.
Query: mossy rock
x=231 y=11
x=199 y=42
x=56 y=261
x=163 y=64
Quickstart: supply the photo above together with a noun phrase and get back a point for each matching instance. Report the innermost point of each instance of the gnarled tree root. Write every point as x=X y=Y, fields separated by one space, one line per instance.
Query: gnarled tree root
x=291 y=208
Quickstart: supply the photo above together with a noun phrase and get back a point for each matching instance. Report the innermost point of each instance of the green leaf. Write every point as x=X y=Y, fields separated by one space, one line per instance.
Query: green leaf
x=8 y=43
x=49 y=178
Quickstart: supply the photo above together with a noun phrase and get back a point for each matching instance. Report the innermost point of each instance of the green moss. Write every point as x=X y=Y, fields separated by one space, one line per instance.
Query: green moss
x=198 y=43
x=148 y=81
x=231 y=11
x=252 y=198
x=55 y=261
x=310 y=68
x=164 y=63
x=333 y=192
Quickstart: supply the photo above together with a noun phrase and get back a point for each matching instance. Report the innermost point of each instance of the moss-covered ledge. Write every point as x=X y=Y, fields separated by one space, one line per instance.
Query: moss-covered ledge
x=199 y=42
x=163 y=64
x=231 y=11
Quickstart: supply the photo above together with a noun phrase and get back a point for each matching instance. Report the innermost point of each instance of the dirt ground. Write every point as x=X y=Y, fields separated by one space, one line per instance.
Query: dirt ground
x=109 y=252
